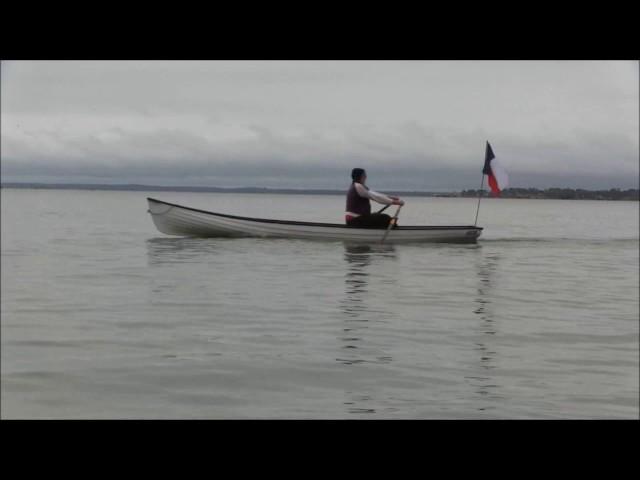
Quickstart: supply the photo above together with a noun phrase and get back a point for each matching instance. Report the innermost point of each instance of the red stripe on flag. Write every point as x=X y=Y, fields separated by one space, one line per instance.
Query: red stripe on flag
x=493 y=184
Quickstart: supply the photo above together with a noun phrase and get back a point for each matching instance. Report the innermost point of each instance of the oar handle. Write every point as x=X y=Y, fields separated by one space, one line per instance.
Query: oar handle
x=395 y=217
x=392 y=222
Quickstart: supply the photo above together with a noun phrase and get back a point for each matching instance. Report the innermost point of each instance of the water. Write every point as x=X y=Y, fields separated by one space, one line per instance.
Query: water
x=104 y=317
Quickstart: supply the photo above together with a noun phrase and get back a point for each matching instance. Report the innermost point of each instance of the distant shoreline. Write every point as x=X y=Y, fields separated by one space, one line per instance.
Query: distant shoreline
x=525 y=193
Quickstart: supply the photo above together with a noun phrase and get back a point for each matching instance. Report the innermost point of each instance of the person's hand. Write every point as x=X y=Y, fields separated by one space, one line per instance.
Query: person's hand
x=397 y=201
x=394 y=198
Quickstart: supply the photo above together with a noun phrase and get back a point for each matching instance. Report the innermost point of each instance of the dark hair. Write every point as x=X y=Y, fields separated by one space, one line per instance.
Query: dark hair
x=356 y=173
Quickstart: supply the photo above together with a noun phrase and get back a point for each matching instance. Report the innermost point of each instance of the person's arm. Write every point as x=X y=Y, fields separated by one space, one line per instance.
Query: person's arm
x=396 y=200
x=376 y=196
x=381 y=198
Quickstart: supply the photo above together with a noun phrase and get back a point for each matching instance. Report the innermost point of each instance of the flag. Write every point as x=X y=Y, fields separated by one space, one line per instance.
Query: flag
x=498 y=178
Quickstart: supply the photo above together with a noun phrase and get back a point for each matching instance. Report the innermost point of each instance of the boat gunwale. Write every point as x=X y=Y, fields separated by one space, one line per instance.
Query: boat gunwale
x=315 y=224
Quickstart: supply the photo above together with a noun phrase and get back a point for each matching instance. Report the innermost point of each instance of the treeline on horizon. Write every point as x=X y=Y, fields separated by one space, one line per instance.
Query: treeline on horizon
x=532 y=193
x=562 y=193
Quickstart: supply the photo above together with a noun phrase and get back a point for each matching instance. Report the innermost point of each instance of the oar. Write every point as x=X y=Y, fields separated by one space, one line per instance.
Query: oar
x=384 y=208
x=392 y=222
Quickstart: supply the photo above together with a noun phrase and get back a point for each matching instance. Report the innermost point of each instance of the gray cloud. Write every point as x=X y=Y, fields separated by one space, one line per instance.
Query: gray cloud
x=413 y=125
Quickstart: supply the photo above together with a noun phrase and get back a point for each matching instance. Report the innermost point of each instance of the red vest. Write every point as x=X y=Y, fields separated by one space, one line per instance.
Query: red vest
x=356 y=203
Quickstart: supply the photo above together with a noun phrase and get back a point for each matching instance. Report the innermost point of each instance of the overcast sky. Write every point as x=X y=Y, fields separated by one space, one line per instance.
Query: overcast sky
x=413 y=125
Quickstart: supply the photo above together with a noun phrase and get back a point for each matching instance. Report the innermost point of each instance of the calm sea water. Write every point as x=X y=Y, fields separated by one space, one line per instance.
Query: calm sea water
x=105 y=317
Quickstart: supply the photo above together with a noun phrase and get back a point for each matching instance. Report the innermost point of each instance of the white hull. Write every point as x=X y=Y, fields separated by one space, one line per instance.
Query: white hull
x=174 y=219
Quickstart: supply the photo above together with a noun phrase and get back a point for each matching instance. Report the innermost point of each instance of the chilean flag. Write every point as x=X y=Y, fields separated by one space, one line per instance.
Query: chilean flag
x=498 y=178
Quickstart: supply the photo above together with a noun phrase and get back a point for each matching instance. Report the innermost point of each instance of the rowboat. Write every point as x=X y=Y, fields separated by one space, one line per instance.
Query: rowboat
x=173 y=219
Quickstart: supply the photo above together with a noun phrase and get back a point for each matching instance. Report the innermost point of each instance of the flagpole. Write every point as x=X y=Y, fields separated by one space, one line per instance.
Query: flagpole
x=479 y=197
x=488 y=156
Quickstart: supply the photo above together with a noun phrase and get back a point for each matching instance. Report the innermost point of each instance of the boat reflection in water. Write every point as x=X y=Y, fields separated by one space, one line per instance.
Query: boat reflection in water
x=363 y=343
x=355 y=306
x=483 y=380
x=167 y=250
x=360 y=317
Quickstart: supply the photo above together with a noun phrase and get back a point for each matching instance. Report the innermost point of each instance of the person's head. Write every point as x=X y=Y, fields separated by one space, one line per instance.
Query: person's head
x=358 y=175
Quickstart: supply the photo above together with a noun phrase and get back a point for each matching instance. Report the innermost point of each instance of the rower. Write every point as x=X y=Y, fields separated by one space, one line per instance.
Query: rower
x=358 y=212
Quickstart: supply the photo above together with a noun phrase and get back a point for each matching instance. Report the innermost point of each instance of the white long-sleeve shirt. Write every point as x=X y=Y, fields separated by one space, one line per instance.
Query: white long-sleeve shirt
x=372 y=195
